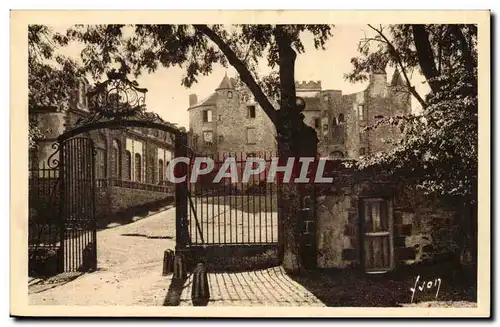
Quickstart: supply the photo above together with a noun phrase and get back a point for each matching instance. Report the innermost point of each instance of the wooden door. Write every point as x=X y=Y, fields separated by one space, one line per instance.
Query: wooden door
x=377 y=235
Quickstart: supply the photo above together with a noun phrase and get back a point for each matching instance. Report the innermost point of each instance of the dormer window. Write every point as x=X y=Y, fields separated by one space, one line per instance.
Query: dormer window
x=229 y=94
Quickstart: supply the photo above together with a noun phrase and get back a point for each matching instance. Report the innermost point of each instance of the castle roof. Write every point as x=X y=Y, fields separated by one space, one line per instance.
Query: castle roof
x=226 y=83
x=208 y=101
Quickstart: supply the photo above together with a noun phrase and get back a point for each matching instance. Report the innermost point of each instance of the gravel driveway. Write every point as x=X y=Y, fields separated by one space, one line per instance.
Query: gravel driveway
x=129 y=267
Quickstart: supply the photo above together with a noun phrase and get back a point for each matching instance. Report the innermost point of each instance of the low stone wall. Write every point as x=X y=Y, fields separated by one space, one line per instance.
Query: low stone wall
x=120 y=204
x=423 y=230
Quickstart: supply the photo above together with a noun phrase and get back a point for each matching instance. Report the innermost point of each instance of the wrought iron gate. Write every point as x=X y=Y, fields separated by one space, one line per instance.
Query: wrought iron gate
x=77 y=206
x=227 y=213
x=62 y=226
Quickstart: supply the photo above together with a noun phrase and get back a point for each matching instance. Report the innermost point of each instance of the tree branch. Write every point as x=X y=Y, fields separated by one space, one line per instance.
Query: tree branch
x=242 y=70
x=396 y=55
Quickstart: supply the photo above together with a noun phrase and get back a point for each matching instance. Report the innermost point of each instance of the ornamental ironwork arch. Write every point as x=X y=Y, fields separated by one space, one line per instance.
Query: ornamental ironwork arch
x=118 y=102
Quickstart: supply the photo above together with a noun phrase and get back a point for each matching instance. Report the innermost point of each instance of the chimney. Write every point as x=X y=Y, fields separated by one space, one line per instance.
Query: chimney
x=193 y=100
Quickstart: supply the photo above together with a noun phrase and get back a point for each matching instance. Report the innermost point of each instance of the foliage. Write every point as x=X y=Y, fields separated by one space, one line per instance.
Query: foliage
x=438 y=149
x=196 y=49
x=47 y=72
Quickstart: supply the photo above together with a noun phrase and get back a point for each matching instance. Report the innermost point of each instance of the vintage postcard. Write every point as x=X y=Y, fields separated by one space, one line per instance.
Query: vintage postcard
x=250 y=163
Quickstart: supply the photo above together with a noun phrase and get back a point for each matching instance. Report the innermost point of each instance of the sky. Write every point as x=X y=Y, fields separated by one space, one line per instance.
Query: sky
x=167 y=97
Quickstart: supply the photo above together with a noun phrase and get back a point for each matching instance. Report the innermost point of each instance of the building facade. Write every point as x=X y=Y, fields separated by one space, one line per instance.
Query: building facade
x=339 y=119
x=130 y=163
x=229 y=121
x=133 y=154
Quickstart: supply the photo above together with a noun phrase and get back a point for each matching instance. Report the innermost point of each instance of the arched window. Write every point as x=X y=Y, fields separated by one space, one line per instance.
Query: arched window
x=138 y=167
x=116 y=160
x=161 y=168
x=128 y=162
x=101 y=157
x=341 y=118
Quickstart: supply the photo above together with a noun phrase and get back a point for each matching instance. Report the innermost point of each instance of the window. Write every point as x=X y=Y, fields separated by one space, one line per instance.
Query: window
x=317 y=123
x=101 y=163
x=116 y=160
x=208 y=137
x=251 y=135
x=150 y=168
x=207 y=116
x=362 y=151
x=160 y=170
x=221 y=138
x=220 y=118
x=128 y=162
x=334 y=121
x=341 y=118
x=361 y=112
x=251 y=111
x=138 y=167
x=101 y=157
x=229 y=94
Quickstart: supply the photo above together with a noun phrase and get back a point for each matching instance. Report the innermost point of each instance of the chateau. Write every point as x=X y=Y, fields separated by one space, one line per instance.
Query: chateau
x=339 y=119
x=229 y=120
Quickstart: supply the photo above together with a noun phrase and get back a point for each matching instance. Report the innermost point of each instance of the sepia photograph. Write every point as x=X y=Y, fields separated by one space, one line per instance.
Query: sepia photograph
x=250 y=164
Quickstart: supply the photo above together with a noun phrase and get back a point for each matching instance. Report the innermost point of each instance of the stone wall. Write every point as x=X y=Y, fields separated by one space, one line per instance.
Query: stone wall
x=126 y=202
x=422 y=230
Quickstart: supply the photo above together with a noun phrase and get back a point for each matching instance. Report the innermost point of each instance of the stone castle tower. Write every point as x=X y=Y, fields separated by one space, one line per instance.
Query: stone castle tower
x=339 y=120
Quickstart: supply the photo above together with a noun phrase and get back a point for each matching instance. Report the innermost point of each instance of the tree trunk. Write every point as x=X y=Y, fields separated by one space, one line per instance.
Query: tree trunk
x=293 y=137
x=426 y=56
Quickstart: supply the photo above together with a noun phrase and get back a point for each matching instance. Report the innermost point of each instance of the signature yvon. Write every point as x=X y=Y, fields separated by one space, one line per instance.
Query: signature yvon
x=436 y=283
